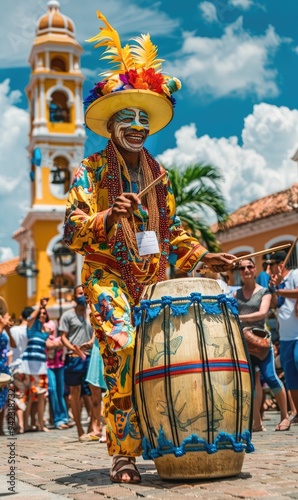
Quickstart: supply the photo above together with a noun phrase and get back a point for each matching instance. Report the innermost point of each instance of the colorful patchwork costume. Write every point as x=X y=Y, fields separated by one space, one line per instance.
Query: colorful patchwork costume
x=107 y=274
x=138 y=97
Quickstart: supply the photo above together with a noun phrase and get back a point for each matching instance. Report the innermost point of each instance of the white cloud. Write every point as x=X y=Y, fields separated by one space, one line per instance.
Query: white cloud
x=241 y=4
x=261 y=166
x=18 y=23
x=208 y=11
x=272 y=132
x=237 y=63
x=6 y=253
x=14 y=165
x=90 y=73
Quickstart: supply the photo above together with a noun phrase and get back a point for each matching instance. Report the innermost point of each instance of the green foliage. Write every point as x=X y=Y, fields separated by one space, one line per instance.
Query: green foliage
x=197 y=193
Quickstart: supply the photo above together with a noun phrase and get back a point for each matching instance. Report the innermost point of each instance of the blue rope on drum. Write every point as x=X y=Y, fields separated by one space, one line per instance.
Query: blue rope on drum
x=223 y=441
x=179 y=305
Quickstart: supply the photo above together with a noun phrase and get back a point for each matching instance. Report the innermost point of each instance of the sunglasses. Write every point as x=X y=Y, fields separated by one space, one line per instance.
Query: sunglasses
x=249 y=267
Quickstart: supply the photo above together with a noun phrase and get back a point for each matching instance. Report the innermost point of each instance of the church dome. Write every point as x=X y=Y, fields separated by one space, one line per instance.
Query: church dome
x=54 y=21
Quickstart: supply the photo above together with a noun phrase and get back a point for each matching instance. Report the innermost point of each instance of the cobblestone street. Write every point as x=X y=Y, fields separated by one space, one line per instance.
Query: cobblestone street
x=55 y=465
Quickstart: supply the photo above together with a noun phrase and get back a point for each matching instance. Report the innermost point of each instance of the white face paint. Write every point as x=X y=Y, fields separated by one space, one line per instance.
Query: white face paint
x=130 y=128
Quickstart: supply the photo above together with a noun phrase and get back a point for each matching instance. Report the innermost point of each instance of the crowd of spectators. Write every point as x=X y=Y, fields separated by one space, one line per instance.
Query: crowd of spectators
x=54 y=369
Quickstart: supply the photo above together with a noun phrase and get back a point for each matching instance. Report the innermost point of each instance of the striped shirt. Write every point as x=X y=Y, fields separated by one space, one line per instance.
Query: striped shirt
x=34 y=356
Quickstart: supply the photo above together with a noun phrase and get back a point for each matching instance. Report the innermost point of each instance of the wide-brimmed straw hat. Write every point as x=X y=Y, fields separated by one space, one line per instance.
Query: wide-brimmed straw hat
x=135 y=82
x=158 y=108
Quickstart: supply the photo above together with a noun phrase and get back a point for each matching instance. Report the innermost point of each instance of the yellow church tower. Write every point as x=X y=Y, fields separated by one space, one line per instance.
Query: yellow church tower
x=56 y=147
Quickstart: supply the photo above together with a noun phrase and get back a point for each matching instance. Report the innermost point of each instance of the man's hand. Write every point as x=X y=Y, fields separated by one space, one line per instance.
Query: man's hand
x=218 y=262
x=275 y=279
x=124 y=206
x=86 y=346
x=79 y=351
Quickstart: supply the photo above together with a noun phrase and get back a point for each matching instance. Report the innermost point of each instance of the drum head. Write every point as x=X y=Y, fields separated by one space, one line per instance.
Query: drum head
x=4 y=379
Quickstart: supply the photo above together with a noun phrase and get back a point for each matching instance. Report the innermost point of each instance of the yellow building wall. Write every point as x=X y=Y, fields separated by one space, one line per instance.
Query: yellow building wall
x=62 y=128
x=43 y=232
x=14 y=291
x=48 y=198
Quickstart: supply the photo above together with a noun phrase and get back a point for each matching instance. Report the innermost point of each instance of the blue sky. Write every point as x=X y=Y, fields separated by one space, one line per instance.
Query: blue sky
x=237 y=61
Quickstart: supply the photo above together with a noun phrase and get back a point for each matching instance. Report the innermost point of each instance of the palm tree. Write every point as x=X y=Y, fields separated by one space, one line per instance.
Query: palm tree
x=197 y=192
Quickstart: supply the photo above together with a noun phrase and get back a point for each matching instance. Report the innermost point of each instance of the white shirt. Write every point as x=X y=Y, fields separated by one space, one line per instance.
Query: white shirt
x=19 y=334
x=288 y=321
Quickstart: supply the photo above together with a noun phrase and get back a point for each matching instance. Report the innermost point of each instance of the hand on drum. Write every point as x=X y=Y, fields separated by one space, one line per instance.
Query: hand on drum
x=219 y=262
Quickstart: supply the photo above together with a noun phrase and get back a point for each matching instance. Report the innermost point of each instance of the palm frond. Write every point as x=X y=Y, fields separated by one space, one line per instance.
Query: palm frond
x=201 y=231
x=197 y=192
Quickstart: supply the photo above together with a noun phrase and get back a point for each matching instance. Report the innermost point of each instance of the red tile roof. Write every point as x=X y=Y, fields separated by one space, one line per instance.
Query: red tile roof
x=9 y=266
x=276 y=203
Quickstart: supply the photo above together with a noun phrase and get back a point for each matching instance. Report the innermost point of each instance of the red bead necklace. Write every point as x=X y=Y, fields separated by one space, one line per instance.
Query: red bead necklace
x=119 y=249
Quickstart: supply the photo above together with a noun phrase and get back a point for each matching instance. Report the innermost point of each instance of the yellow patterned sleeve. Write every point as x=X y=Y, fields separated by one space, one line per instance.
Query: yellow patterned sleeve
x=84 y=224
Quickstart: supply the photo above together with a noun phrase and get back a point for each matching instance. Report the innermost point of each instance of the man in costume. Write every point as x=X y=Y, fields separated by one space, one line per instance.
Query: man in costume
x=127 y=238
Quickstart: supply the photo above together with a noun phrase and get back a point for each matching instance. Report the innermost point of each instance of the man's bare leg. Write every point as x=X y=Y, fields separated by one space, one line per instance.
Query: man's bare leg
x=75 y=403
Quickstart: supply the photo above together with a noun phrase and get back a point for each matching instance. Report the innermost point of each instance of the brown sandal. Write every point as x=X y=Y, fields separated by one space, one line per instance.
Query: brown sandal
x=124 y=466
x=284 y=425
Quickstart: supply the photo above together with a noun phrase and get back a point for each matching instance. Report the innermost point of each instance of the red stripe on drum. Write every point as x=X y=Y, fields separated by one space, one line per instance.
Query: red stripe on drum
x=191 y=367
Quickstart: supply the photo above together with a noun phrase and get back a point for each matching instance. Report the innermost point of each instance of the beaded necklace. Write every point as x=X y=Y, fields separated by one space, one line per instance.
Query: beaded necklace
x=124 y=248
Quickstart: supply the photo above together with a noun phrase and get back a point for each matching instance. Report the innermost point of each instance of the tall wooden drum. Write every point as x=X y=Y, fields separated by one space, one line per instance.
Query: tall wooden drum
x=192 y=384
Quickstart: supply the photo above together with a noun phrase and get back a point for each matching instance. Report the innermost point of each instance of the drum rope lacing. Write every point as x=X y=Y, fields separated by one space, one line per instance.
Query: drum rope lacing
x=180 y=305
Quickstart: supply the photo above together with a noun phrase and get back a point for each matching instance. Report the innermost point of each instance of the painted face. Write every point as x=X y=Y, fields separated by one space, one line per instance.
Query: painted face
x=130 y=128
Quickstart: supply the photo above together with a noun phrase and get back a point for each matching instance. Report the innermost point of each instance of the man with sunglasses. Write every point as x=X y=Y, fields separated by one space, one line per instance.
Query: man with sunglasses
x=284 y=285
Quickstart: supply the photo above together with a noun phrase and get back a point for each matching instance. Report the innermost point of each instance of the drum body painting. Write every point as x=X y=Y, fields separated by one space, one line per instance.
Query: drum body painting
x=192 y=384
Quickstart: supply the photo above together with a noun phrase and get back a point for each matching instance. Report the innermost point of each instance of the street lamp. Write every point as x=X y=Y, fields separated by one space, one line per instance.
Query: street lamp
x=62 y=257
x=27 y=269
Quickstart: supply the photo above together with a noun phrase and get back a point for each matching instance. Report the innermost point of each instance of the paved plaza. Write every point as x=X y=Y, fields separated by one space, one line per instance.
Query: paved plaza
x=55 y=465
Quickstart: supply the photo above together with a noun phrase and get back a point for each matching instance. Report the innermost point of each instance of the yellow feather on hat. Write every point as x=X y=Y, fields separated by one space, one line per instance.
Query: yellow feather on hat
x=134 y=80
x=145 y=54
x=109 y=37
